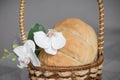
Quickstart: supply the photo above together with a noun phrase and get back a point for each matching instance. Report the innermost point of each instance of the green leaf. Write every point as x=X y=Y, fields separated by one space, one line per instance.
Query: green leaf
x=3 y=57
x=14 y=46
x=13 y=59
x=37 y=27
x=5 y=51
x=37 y=51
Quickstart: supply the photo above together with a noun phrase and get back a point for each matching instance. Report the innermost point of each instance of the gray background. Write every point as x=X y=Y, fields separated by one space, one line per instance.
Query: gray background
x=48 y=13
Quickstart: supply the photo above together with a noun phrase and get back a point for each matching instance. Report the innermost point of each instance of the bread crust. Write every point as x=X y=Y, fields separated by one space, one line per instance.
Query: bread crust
x=81 y=46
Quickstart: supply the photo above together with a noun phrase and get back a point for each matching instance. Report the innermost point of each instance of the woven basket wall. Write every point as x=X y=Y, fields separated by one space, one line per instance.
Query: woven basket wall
x=92 y=71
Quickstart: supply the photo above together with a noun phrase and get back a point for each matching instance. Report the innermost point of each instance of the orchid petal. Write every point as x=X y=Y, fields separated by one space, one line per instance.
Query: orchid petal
x=20 y=66
x=30 y=44
x=23 y=62
x=58 y=40
x=51 y=51
x=41 y=39
x=20 y=51
x=34 y=59
x=26 y=54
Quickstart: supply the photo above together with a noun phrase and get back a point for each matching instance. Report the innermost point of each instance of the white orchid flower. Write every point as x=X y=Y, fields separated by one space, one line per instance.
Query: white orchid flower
x=23 y=62
x=26 y=53
x=51 y=41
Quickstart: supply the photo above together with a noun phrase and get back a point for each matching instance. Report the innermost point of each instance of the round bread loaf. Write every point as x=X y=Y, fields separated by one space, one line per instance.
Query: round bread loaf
x=80 y=48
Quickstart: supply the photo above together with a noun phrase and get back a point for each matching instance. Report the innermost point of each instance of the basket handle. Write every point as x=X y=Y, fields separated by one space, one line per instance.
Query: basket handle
x=101 y=24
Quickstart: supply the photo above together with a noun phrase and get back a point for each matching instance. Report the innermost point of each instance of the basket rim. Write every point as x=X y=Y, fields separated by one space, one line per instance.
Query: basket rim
x=96 y=63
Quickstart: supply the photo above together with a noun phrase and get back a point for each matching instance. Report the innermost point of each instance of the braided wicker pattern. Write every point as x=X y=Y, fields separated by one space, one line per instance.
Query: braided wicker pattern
x=91 y=71
x=88 y=74
x=101 y=25
x=21 y=21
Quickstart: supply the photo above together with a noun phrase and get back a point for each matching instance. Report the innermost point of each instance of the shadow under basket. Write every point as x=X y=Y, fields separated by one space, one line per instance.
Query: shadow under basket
x=92 y=71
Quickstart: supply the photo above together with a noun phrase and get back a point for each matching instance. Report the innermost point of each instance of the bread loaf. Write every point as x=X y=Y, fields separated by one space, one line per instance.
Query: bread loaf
x=80 y=48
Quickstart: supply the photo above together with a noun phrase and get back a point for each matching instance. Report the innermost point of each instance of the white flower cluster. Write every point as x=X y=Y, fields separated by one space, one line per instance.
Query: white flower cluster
x=50 y=42
x=26 y=53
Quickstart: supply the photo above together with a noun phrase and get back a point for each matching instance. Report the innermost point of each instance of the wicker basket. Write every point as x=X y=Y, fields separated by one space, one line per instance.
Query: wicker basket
x=92 y=71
